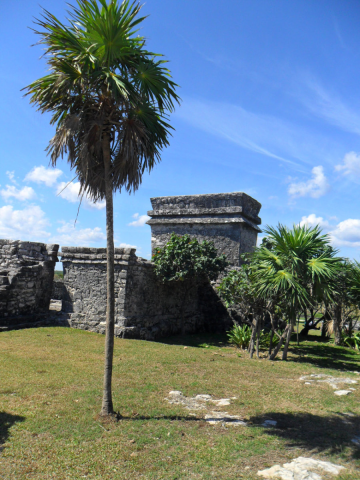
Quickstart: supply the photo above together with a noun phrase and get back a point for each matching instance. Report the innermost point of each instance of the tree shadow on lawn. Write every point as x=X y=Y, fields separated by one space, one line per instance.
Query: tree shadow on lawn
x=202 y=340
x=324 y=355
x=315 y=433
x=6 y=422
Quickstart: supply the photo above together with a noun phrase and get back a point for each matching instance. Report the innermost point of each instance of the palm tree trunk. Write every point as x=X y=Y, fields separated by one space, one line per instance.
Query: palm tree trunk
x=258 y=341
x=290 y=330
x=107 y=404
x=253 y=335
x=279 y=345
x=271 y=341
x=337 y=324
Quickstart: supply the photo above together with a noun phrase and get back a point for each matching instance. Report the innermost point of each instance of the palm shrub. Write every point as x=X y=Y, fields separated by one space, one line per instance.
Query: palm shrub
x=352 y=341
x=109 y=98
x=237 y=289
x=297 y=268
x=240 y=335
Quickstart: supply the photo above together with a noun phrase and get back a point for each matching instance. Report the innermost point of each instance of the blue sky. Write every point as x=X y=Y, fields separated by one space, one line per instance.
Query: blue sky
x=270 y=106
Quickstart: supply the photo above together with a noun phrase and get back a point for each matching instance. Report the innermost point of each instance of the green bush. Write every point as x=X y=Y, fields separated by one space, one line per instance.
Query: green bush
x=353 y=342
x=265 y=339
x=240 y=335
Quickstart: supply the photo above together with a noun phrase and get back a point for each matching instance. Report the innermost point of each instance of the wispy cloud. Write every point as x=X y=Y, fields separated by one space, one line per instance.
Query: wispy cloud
x=264 y=134
x=11 y=177
x=338 y=33
x=329 y=106
x=350 y=165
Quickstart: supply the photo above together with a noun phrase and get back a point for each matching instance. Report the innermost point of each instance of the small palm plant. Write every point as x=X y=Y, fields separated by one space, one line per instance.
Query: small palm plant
x=240 y=335
x=353 y=341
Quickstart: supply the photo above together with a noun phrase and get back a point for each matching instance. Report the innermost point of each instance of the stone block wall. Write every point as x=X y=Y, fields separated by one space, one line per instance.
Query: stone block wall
x=26 y=278
x=145 y=307
x=230 y=220
x=57 y=289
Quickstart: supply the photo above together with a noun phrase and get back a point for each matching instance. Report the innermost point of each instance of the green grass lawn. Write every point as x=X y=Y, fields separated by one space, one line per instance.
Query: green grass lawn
x=50 y=397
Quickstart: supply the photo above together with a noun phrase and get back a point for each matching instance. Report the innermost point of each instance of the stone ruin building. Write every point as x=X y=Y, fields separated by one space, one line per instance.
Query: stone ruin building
x=230 y=220
x=145 y=308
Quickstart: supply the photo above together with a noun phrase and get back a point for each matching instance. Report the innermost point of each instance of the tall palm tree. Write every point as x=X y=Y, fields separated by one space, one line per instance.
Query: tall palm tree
x=109 y=98
x=298 y=268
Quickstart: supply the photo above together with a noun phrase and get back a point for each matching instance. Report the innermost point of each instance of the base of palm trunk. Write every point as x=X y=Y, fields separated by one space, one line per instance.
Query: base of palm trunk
x=115 y=416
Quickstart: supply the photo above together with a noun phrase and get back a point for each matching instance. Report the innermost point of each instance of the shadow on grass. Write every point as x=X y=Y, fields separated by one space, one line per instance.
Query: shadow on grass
x=197 y=340
x=315 y=433
x=6 y=422
x=325 y=355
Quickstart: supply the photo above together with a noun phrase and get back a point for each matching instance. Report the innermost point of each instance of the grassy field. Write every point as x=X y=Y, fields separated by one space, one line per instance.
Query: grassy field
x=50 y=396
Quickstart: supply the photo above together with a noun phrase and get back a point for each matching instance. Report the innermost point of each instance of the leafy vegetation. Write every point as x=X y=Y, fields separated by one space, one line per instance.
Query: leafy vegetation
x=58 y=274
x=184 y=259
x=294 y=274
x=353 y=341
x=240 y=335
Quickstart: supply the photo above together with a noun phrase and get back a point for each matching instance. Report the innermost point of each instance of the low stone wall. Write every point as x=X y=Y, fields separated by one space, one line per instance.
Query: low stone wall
x=26 y=278
x=145 y=307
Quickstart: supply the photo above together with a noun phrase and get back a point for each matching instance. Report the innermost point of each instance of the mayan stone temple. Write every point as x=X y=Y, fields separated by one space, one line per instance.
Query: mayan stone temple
x=145 y=308
x=230 y=220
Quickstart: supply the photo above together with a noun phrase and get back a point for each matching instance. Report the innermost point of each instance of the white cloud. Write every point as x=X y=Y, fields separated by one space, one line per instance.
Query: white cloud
x=11 y=176
x=140 y=220
x=27 y=224
x=48 y=176
x=23 y=194
x=126 y=245
x=346 y=233
x=70 y=234
x=350 y=165
x=315 y=187
x=312 y=220
x=70 y=192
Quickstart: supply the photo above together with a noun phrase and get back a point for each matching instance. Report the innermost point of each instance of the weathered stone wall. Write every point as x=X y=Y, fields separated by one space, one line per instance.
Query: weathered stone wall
x=57 y=289
x=145 y=307
x=26 y=278
x=228 y=219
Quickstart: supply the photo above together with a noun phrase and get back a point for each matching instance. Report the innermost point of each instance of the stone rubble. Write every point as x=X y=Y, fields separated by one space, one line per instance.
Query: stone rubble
x=341 y=393
x=201 y=402
x=214 y=418
x=301 y=468
x=269 y=423
x=334 y=382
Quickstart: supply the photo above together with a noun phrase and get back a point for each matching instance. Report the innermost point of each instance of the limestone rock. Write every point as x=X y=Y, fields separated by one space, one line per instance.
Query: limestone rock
x=301 y=468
